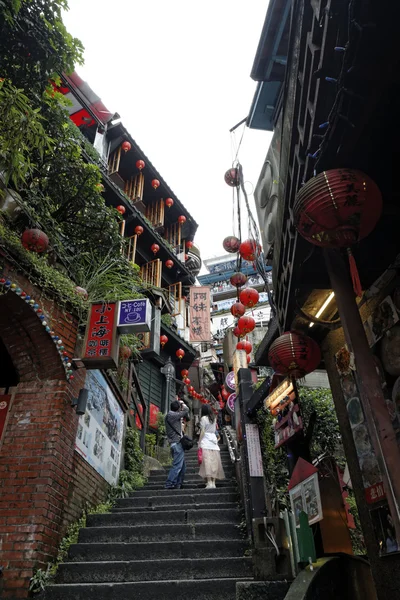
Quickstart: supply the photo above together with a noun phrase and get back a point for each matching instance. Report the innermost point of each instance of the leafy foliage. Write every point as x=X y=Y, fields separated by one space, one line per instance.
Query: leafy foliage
x=131 y=478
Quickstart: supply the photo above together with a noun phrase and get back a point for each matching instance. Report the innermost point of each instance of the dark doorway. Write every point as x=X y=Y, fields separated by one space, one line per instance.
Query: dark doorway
x=8 y=374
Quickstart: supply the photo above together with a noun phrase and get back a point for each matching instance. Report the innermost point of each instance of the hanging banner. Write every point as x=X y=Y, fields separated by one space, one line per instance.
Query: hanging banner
x=200 y=324
x=100 y=349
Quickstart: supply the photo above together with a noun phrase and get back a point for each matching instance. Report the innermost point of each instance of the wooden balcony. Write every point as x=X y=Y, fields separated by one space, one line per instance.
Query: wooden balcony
x=151 y=273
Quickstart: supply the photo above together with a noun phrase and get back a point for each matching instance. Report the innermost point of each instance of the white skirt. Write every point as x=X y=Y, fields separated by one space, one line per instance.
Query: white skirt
x=211 y=466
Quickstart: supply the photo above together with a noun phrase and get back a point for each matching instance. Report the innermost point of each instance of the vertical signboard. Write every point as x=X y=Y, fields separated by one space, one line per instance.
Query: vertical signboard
x=254 y=450
x=100 y=350
x=200 y=324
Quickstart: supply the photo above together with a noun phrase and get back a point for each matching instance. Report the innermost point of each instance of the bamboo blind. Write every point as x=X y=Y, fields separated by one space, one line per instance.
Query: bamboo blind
x=130 y=251
x=175 y=295
x=114 y=160
x=151 y=272
x=173 y=234
x=155 y=213
x=134 y=187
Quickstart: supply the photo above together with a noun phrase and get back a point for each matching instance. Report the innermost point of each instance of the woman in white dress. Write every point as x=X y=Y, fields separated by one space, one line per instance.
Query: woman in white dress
x=211 y=466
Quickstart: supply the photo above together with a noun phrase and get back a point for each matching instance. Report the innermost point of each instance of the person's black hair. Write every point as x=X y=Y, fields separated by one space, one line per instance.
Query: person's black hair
x=206 y=411
x=175 y=406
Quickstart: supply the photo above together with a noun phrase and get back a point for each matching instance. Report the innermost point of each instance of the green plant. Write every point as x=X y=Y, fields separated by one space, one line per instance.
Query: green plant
x=166 y=319
x=131 y=478
x=151 y=441
x=41 y=578
x=357 y=538
x=161 y=429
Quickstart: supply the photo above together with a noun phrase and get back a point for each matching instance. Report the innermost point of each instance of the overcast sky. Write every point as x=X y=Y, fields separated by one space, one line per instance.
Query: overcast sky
x=178 y=73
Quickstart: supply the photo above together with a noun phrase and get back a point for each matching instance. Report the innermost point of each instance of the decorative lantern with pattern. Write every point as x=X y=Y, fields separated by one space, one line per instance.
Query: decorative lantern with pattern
x=238 y=279
x=250 y=250
x=249 y=297
x=169 y=202
x=294 y=354
x=237 y=309
x=180 y=353
x=246 y=324
x=232 y=177
x=163 y=340
x=126 y=146
x=140 y=164
x=338 y=208
x=138 y=230
x=231 y=244
x=35 y=240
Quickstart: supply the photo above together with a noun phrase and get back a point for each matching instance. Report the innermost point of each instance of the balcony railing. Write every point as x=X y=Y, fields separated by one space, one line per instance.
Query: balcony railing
x=155 y=213
x=151 y=273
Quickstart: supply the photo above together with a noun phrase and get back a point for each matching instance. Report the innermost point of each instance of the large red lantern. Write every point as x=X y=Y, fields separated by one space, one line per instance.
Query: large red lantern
x=237 y=309
x=163 y=340
x=184 y=373
x=190 y=388
x=180 y=353
x=155 y=183
x=238 y=279
x=338 y=208
x=169 y=202
x=186 y=381
x=35 y=240
x=232 y=177
x=121 y=209
x=231 y=244
x=246 y=324
x=126 y=146
x=140 y=164
x=244 y=345
x=237 y=333
x=138 y=230
x=249 y=297
x=169 y=263
x=294 y=355
x=182 y=219
x=250 y=250
x=189 y=244
x=155 y=248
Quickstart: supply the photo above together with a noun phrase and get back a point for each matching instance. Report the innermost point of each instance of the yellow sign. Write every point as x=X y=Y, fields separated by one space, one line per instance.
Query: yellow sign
x=283 y=389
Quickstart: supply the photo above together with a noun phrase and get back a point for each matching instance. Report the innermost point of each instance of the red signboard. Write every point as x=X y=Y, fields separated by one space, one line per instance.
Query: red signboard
x=4 y=406
x=375 y=493
x=154 y=410
x=137 y=419
x=101 y=342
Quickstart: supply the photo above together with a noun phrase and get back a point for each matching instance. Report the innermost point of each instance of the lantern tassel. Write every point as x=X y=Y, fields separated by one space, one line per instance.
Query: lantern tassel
x=354 y=274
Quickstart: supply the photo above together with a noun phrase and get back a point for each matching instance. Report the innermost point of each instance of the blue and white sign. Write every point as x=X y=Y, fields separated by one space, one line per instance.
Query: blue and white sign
x=134 y=316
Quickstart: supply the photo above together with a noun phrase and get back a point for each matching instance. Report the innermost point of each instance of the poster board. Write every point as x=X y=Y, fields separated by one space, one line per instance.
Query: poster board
x=306 y=497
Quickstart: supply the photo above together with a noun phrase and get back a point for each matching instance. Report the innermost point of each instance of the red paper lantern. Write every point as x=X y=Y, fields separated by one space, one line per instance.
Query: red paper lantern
x=186 y=381
x=140 y=164
x=169 y=202
x=244 y=345
x=237 y=333
x=126 y=146
x=246 y=324
x=249 y=297
x=125 y=352
x=190 y=388
x=180 y=353
x=163 y=340
x=79 y=290
x=121 y=209
x=231 y=244
x=182 y=219
x=225 y=394
x=249 y=250
x=238 y=279
x=35 y=240
x=184 y=373
x=237 y=309
x=155 y=184
x=294 y=355
x=338 y=208
x=138 y=230
x=169 y=263
x=189 y=244
x=232 y=177
x=155 y=248
x=248 y=359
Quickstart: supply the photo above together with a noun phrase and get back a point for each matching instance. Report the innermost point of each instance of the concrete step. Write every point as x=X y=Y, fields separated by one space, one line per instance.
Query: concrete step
x=262 y=590
x=164 y=517
x=194 y=470
x=156 y=550
x=189 y=478
x=177 y=497
x=188 y=485
x=207 y=589
x=164 y=507
x=154 y=533
x=154 y=570
x=165 y=493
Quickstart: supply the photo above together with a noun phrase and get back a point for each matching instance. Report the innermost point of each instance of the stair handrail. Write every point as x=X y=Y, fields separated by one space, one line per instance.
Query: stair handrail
x=232 y=444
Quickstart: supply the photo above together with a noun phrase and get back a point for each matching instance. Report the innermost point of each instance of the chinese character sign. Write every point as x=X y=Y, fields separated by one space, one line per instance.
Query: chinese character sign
x=101 y=344
x=200 y=324
x=134 y=316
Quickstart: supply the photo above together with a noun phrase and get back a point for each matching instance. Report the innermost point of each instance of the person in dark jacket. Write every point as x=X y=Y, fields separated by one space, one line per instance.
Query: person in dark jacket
x=173 y=426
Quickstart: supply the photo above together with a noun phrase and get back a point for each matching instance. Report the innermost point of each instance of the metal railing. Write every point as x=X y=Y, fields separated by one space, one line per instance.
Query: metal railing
x=232 y=444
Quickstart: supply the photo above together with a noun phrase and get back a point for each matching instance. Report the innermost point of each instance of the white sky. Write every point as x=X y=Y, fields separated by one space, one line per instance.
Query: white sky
x=178 y=73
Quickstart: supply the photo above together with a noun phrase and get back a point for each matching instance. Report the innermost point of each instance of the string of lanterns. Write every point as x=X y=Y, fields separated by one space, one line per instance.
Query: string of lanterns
x=8 y=285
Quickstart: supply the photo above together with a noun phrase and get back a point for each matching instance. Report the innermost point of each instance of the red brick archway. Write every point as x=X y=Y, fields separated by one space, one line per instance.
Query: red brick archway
x=37 y=445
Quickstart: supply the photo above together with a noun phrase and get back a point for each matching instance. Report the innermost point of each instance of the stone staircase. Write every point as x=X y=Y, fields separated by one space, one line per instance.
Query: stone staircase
x=159 y=543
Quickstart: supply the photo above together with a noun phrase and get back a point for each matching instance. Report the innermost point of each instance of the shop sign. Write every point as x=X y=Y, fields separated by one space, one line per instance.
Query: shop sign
x=230 y=403
x=254 y=450
x=200 y=324
x=134 y=316
x=375 y=493
x=306 y=497
x=101 y=341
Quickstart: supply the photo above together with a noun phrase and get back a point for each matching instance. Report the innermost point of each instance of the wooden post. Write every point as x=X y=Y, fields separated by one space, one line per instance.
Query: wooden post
x=377 y=417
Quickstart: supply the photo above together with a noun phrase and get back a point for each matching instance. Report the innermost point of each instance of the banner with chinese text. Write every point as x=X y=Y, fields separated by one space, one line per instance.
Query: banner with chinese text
x=101 y=342
x=200 y=325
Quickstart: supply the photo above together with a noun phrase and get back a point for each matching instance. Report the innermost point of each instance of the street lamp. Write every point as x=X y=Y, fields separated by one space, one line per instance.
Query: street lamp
x=169 y=371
